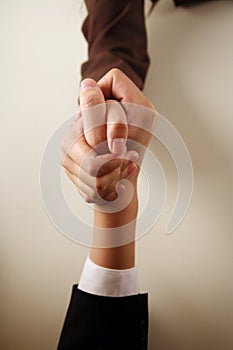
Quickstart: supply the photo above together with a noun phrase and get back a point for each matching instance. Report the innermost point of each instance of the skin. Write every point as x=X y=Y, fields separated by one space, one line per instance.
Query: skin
x=114 y=86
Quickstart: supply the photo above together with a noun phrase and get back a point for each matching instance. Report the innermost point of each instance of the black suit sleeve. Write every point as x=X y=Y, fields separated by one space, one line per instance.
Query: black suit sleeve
x=105 y=323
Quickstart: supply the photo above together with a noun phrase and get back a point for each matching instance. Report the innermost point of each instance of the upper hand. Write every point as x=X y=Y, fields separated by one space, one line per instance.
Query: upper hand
x=92 y=168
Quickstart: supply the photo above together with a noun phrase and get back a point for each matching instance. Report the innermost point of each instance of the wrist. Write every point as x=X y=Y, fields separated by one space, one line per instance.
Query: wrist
x=114 y=247
x=114 y=219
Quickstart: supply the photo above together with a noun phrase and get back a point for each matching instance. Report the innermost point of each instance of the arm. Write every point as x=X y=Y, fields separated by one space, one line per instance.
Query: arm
x=121 y=257
x=95 y=319
x=116 y=36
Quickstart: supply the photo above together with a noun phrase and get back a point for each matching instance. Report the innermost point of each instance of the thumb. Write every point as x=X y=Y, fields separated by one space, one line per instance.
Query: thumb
x=90 y=95
x=117 y=128
x=93 y=118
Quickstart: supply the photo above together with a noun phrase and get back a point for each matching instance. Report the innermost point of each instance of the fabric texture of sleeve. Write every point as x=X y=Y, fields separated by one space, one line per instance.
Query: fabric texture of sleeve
x=116 y=36
x=105 y=323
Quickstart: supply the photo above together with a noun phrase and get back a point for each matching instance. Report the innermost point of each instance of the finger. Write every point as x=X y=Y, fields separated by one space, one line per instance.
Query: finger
x=124 y=164
x=73 y=168
x=74 y=146
x=115 y=84
x=74 y=134
x=92 y=106
x=87 y=159
x=111 y=196
x=71 y=177
x=91 y=195
x=106 y=163
x=116 y=187
x=107 y=183
x=85 y=196
x=87 y=193
x=117 y=129
x=127 y=172
x=102 y=184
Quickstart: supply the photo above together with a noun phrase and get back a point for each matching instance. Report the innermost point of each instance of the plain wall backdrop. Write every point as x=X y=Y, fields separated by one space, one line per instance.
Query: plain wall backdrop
x=189 y=273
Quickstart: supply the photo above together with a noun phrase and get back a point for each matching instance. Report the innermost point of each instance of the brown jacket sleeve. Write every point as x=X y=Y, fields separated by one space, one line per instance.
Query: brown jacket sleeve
x=116 y=36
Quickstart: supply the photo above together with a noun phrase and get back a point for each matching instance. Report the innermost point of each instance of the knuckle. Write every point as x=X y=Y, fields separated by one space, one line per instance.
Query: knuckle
x=88 y=200
x=100 y=186
x=92 y=195
x=115 y=71
x=110 y=196
x=85 y=197
x=90 y=99
x=62 y=161
x=91 y=169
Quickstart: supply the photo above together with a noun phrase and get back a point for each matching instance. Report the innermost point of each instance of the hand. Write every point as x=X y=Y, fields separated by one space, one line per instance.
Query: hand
x=140 y=112
x=91 y=130
x=93 y=169
x=115 y=84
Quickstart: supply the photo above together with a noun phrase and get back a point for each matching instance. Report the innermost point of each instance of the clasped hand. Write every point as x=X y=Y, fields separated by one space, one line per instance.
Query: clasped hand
x=108 y=138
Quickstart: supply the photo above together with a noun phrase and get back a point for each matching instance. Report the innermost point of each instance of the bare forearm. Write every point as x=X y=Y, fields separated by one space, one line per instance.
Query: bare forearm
x=122 y=256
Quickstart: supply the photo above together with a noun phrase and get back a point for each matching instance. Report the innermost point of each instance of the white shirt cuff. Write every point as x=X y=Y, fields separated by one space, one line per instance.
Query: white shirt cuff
x=99 y=280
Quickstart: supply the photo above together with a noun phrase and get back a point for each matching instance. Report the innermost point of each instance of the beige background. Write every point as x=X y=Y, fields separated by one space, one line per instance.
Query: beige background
x=189 y=273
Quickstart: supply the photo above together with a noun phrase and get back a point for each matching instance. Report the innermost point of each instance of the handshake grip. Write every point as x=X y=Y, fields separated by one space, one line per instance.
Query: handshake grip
x=117 y=135
x=76 y=152
x=102 y=151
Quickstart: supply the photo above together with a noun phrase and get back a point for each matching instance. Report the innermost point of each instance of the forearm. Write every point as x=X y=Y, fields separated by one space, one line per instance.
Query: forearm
x=122 y=256
x=116 y=36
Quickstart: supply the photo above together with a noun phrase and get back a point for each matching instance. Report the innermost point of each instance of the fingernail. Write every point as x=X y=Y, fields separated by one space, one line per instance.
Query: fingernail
x=134 y=156
x=87 y=84
x=119 y=146
x=120 y=189
x=131 y=169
